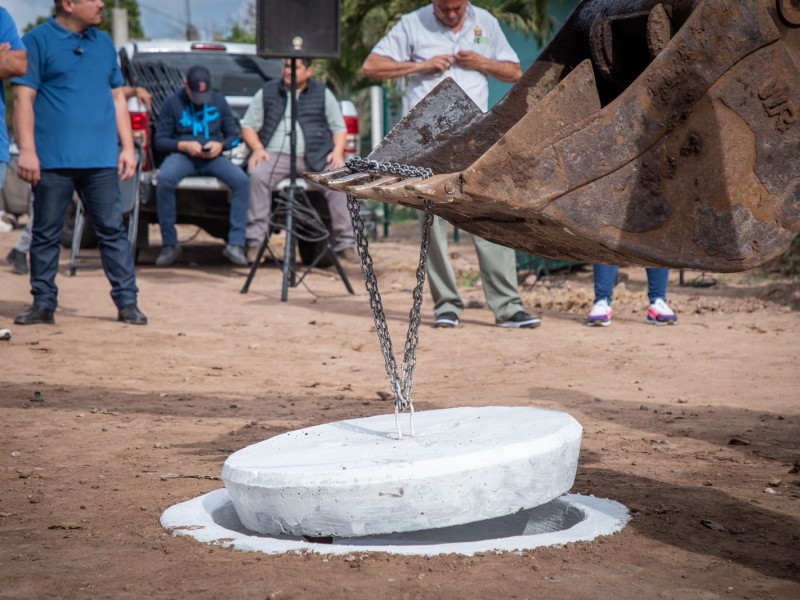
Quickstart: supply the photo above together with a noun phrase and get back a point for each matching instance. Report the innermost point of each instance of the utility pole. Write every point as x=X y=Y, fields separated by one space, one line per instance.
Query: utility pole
x=119 y=25
x=191 y=30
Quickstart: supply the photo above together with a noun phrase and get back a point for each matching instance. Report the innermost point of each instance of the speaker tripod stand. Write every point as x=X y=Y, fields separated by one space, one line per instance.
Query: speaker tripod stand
x=301 y=221
x=300 y=215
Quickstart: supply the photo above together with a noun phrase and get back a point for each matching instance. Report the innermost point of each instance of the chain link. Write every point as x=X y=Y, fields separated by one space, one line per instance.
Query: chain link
x=401 y=383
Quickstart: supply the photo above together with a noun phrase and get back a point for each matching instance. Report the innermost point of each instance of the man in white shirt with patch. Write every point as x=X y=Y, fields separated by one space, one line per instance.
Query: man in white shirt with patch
x=453 y=38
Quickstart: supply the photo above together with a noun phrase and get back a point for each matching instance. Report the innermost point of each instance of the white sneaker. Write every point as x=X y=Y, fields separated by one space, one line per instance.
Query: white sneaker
x=600 y=315
x=659 y=313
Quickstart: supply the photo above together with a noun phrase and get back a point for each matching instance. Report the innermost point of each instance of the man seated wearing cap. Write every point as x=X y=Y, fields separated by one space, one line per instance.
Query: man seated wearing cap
x=195 y=126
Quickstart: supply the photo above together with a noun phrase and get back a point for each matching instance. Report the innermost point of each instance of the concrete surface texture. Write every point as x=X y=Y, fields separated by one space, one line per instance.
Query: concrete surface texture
x=354 y=478
x=211 y=519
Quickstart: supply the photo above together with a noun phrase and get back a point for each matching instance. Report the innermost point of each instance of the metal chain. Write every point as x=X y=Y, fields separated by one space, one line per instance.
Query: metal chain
x=362 y=165
x=402 y=383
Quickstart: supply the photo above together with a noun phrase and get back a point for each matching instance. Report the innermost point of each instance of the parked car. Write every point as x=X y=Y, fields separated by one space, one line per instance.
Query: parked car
x=238 y=73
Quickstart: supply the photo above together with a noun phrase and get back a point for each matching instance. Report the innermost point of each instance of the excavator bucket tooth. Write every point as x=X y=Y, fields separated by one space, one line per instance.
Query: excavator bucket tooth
x=650 y=132
x=439 y=189
x=342 y=184
x=362 y=189
x=397 y=193
x=324 y=177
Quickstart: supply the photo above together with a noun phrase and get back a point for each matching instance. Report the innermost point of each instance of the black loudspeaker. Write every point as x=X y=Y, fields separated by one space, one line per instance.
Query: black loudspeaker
x=297 y=28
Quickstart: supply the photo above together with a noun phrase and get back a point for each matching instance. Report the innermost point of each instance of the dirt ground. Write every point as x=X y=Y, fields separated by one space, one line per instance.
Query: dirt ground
x=696 y=428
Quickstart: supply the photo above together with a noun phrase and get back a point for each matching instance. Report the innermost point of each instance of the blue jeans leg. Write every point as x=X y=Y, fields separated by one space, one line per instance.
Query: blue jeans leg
x=236 y=179
x=605 y=276
x=50 y=199
x=657 y=279
x=102 y=199
x=174 y=168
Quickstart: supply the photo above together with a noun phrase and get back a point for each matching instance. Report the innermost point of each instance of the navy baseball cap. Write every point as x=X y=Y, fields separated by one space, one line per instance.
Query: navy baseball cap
x=199 y=80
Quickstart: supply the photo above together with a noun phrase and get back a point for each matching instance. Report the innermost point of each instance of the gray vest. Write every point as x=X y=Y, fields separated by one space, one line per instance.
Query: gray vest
x=310 y=117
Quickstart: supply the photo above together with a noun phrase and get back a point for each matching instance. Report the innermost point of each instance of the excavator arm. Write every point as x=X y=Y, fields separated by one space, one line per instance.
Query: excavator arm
x=650 y=133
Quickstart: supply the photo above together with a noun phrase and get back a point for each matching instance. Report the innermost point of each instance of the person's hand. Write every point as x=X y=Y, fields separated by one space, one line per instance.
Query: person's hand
x=191 y=147
x=126 y=166
x=142 y=95
x=257 y=157
x=28 y=167
x=335 y=160
x=212 y=150
x=467 y=59
x=437 y=64
x=5 y=46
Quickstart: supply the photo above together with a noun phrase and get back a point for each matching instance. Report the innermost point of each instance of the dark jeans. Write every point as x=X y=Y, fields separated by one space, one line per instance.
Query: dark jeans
x=99 y=189
x=177 y=166
x=605 y=276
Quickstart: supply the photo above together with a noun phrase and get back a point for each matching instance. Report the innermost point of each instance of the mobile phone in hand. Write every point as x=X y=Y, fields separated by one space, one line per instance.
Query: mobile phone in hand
x=206 y=147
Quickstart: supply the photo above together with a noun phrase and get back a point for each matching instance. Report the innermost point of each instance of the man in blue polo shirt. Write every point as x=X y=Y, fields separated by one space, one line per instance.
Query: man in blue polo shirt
x=70 y=114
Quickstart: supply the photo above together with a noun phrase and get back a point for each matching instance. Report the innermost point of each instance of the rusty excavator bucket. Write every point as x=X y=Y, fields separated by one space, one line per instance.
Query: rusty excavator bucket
x=651 y=133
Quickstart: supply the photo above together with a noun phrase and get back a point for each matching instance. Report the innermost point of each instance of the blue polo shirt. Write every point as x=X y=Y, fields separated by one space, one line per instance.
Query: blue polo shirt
x=73 y=75
x=8 y=33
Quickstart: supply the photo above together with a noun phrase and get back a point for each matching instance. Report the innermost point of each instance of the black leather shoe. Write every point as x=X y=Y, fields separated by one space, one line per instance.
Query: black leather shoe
x=132 y=315
x=36 y=315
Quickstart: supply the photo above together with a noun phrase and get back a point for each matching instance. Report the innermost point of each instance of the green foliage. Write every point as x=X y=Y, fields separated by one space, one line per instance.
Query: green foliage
x=244 y=31
x=468 y=278
x=398 y=213
x=238 y=33
x=36 y=23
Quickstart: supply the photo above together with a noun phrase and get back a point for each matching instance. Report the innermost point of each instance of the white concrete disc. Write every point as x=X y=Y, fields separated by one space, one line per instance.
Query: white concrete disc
x=212 y=519
x=354 y=478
